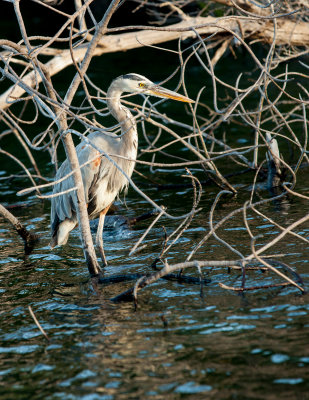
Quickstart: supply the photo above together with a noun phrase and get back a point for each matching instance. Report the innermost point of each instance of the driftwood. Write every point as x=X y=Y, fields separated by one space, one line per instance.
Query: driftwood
x=258 y=28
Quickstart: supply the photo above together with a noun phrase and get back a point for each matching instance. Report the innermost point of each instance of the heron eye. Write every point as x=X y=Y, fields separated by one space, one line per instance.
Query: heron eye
x=141 y=84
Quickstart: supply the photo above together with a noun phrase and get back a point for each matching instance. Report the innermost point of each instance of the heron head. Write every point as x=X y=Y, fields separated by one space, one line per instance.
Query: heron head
x=134 y=83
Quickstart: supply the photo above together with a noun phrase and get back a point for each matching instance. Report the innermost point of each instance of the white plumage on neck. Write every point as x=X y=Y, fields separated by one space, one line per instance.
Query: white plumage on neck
x=122 y=114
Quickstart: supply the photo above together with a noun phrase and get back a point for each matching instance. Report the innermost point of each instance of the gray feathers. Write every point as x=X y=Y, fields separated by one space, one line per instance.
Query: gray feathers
x=101 y=178
x=134 y=77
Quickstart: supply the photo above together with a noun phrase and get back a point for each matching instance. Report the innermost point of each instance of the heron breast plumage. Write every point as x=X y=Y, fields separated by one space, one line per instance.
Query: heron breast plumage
x=102 y=180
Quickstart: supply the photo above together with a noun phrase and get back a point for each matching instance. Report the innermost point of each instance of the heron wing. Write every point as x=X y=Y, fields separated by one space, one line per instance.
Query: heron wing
x=64 y=205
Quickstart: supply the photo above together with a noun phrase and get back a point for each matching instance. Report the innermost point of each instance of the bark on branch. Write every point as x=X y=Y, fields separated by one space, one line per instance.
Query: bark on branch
x=288 y=32
x=29 y=238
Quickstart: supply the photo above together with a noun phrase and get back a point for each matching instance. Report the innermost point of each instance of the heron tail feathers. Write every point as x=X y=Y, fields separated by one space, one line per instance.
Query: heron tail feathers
x=61 y=234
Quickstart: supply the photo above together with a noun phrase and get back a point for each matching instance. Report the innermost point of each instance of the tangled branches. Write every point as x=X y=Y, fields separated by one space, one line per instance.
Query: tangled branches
x=262 y=102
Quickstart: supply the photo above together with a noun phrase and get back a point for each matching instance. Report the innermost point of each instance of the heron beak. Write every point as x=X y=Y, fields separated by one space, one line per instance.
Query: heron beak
x=159 y=91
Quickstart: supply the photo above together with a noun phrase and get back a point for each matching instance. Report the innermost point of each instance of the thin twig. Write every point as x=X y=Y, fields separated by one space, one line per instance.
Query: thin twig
x=38 y=324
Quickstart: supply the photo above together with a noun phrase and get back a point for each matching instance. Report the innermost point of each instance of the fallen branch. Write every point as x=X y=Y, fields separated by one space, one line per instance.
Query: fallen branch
x=288 y=32
x=142 y=282
x=169 y=277
x=245 y=289
x=29 y=238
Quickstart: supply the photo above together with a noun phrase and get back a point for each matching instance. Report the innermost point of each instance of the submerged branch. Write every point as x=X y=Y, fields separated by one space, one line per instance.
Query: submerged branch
x=29 y=238
x=168 y=269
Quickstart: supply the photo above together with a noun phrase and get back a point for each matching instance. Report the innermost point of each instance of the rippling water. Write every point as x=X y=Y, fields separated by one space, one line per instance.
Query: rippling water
x=177 y=344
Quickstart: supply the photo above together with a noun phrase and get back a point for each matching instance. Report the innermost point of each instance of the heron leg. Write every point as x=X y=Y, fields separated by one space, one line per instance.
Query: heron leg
x=99 y=237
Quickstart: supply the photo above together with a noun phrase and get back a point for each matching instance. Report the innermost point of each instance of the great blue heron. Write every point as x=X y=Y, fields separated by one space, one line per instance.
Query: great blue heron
x=101 y=178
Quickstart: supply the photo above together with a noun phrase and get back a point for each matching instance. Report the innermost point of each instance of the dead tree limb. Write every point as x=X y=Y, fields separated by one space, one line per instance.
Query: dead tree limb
x=288 y=32
x=29 y=238
x=168 y=269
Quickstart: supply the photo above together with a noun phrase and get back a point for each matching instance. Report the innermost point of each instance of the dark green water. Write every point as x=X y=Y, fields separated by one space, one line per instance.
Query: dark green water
x=222 y=346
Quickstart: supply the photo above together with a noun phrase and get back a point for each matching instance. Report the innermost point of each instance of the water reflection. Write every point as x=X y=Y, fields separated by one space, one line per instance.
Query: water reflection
x=101 y=348
x=221 y=346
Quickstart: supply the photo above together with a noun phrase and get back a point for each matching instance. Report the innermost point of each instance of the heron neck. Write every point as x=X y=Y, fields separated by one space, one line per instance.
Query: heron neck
x=122 y=115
